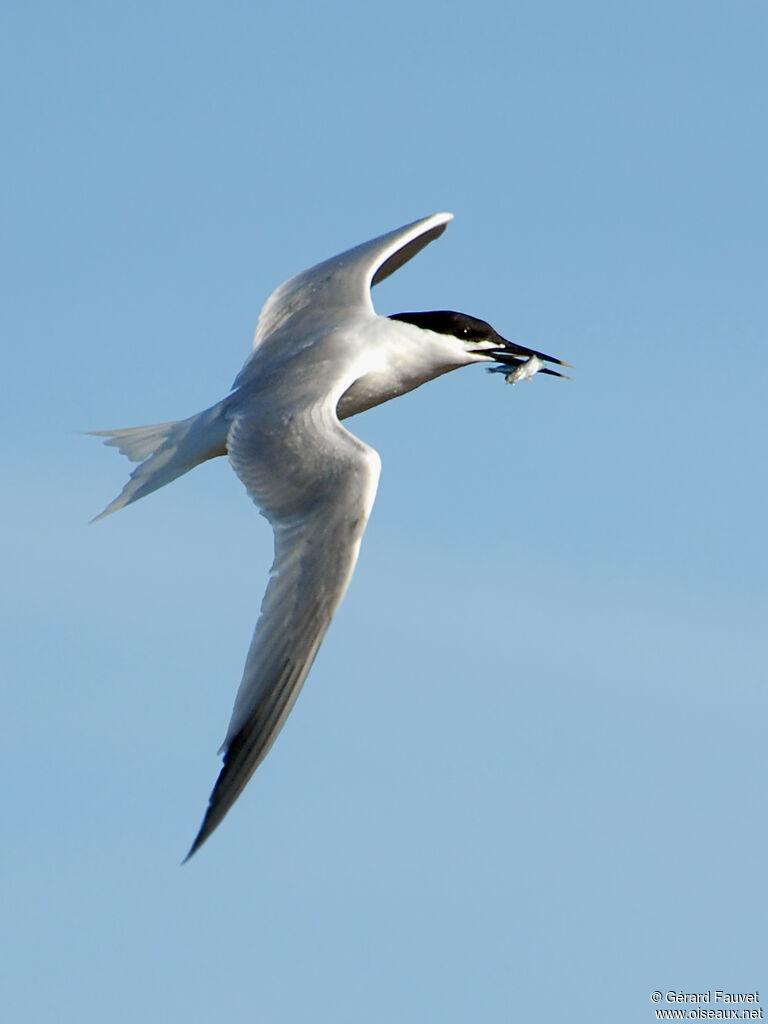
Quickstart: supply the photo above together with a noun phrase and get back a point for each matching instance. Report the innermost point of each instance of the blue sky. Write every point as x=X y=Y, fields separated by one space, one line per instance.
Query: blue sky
x=526 y=776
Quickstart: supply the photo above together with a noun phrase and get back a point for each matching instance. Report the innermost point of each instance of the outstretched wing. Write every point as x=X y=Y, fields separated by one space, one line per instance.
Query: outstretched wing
x=345 y=281
x=316 y=483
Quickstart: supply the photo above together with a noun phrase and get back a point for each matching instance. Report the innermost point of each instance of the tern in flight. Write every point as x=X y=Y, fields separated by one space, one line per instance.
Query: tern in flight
x=321 y=353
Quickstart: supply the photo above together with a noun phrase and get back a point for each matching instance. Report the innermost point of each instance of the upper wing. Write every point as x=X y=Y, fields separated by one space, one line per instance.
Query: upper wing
x=316 y=483
x=346 y=280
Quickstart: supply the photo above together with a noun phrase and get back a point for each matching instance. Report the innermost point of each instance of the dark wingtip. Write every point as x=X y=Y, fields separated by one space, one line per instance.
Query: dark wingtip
x=228 y=787
x=207 y=827
x=192 y=851
x=199 y=840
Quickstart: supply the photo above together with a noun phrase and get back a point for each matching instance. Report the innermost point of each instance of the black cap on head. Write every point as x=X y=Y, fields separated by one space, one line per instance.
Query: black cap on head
x=472 y=329
x=447 y=321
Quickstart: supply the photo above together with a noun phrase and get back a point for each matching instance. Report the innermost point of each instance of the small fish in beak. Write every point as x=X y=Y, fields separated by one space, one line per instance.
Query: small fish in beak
x=526 y=369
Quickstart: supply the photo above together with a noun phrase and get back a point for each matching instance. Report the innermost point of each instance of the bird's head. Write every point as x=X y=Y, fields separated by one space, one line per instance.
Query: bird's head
x=480 y=340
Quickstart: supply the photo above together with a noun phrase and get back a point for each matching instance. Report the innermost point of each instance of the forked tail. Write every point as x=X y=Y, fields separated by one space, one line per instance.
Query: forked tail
x=166 y=451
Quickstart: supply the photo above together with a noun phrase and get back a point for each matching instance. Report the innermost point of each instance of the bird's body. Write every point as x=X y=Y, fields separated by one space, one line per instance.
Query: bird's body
x=321 y=354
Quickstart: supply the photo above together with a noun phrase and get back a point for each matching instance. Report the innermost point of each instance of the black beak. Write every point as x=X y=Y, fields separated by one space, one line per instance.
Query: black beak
x=511 y=354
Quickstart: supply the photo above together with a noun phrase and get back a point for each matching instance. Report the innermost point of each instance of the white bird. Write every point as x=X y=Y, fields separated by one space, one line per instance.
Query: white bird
x=320 y=355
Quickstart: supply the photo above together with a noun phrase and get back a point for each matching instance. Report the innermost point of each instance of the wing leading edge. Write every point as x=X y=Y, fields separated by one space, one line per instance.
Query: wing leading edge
x=346 y=280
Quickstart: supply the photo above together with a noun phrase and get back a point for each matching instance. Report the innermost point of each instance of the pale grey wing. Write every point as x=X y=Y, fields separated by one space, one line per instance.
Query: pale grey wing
x=345 y=281
x=316 y=483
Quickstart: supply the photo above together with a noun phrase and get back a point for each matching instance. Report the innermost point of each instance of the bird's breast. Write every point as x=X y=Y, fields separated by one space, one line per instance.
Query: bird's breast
x=386 y=381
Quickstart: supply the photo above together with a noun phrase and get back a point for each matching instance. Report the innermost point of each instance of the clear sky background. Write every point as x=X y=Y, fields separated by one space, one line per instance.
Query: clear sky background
x=526 y=778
